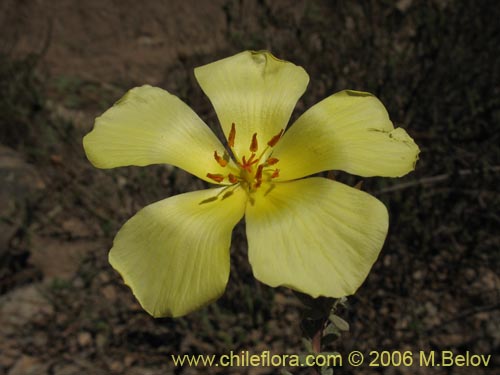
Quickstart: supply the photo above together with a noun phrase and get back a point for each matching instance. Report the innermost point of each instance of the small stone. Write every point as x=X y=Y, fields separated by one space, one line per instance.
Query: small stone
x=121 y=182
x=387 y=260
x=22 y=306
x=76 y=227
x=104 y=277
x=418 y=275
x=84 y=339
x=40 y=339
x=7 y=357
x=129 y=360
x=404 y=5
x=67 y=369
x=19 y=185
x=45 y=249
x=27 y=365
x=140 y=371
x=109 y=291
x=101 y=341
x=116 y=367
x=78 y=283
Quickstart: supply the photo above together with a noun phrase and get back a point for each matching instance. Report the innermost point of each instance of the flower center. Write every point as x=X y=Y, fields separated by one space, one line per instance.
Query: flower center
x=254 y=168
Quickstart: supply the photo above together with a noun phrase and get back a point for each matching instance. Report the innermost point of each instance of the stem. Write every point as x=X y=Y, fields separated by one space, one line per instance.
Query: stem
x=316 y=344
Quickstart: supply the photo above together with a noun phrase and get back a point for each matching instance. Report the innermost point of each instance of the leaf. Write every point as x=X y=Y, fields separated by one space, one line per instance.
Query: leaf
x=340 y=323
x=307 y=345
x=331 y=329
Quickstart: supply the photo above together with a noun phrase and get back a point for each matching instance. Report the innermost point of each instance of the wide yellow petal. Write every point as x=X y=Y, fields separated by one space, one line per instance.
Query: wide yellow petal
x=174 y=254
x=348 y=131
x=150 y=126
x=314 y=235
x=255 y=91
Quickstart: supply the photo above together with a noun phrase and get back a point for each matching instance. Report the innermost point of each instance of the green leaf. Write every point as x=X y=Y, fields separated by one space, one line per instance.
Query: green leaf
x=307 y=345
x=331 y=329
x=339 y=322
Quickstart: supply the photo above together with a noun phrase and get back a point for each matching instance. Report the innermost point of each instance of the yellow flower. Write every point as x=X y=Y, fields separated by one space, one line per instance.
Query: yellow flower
x=313 y=235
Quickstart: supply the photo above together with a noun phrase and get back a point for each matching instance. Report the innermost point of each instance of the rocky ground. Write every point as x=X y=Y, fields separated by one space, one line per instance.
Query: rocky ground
x=436 y=285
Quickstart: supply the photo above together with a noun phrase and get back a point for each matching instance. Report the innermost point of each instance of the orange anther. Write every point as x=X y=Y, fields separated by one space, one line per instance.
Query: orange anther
x=272 y=161
x=258 y=174
x=232 y=135
x=254 y=146
x=232 y=178
x=275 y=139
x=276 y=173
x=215 y=177
x=222 y=162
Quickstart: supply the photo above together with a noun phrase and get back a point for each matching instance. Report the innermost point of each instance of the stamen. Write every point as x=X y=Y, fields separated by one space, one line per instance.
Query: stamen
x=272 y=161
x=222 y=162
x=251 y=161
x=251 y=177
x=254 y=146
x=232 y=178
x=232 y=135
x=275 y=139
x=247 y=164
x=225 y=193
x=215 y=177
x=258 y=174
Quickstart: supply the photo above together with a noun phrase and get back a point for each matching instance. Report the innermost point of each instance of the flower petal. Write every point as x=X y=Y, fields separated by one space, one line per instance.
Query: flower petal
x=348 y=131
x=174 y=254
x=314 y=235
x=150 y=126
x=255 y=91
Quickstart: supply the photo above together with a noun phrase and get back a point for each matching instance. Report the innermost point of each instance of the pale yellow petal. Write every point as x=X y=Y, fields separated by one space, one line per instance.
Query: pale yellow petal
x=174 y=254
x=150 y=126
x=348 y=131
x=314 y=235
x=255 y=91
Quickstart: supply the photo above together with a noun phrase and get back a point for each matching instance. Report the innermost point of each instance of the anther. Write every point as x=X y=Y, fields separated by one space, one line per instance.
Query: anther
x=222 y=162
x=215 y=177
x=258 y=174
x=254 y=146
x=275 y=139
x=272 y=161
x=276 y=173
x=232 y=135
x=232 y=178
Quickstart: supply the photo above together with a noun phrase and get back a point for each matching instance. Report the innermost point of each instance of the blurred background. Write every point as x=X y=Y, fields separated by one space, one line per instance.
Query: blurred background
x=436 y=284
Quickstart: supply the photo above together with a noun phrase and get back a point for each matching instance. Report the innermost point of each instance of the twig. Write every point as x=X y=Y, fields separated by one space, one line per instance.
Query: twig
x=463 y=315
x=435 y=179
